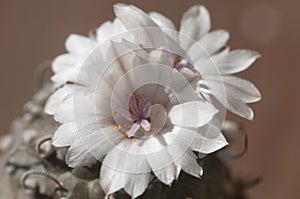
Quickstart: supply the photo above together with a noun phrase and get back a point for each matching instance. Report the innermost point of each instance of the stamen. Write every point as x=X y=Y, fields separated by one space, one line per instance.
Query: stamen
x=179 y=64
x=135 y=127
x=126 y=133
x=145 y=124
x=133 y=105
x=118 y=127
x=139 y=113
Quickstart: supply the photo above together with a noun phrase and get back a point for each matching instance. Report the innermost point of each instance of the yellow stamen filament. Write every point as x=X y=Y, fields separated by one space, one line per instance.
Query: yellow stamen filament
x=118 y=127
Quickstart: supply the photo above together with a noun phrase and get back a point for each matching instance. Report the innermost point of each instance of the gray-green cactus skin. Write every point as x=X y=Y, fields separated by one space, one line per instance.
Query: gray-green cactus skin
x=31 y=168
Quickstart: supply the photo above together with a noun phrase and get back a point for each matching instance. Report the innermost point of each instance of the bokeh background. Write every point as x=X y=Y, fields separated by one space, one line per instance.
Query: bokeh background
x=33 y=31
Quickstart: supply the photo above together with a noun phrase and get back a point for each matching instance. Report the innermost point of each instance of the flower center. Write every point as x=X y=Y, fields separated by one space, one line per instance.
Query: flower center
x=139 y=109
x=179 y=64
x=142 y=118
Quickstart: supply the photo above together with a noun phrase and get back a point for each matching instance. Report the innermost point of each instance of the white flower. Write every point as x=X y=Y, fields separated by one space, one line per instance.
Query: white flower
x=67 y=66
x=194 y=43
x=136 y=96
x=205 y=50
x=136 y=112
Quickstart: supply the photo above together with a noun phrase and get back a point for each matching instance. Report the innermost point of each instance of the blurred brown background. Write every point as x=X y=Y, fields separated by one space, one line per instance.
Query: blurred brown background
x=34 y=31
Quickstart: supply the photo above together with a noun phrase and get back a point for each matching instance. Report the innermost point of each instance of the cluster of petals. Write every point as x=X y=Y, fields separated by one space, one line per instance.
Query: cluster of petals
x=141 y=97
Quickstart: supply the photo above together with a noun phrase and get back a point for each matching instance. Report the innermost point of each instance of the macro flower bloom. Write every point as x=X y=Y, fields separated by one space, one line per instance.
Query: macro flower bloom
x=138 y=96
x=135 y=113
x=194 y=43
x=206 y=51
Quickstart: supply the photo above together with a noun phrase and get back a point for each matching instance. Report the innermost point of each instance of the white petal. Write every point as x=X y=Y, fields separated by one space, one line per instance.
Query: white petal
x=159 y=159
x=92 y=69
x=236 y=61
x=162 y=20
x=188 y=163
x=65 y=135
x=192 y=114
x=125 y=167
x=137 y=185
x=58 y=96
x=113 y=80
x=79 y=44
x=64 y=112
x=93 y=143
x=176 y=150
x=71 y=74
x=207 y=65
x=231 y=103
x=109 y=29
x=210 y=43
x=64 y=61
x=242 y=109
x=112 y=31
x=163 y=166
x=112 y=180
x=194 y=24
x=78 y=156
x=124 y=53
x=137 y=21
x=239 y=88
x=158 y=118
x=165 y=23
x=178 y=146
x=208 y=139
x=77 y=107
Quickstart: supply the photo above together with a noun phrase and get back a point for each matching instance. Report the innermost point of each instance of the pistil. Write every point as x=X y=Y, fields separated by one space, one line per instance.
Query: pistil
x=139 y=114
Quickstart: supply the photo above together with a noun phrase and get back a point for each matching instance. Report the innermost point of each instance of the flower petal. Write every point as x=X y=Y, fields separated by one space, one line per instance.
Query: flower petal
x=158 y=118
x=232 y=62
x=239 y=88
x=110 y=30
x=140 y=24
x=72 y=74
x=59 y=96
x=230 y=102
x=207 y=65
x=208 y=139
x=188 y=163
x=209 y=44
x=165 y=23
x=69 y=110
x=65 y=61
x=125 y=167
x=65 y=135
x=194 y=24
x=93 y=143
x=138 y=184
x=178 y=143
x=159 y=159
x=78 y=44
x=192 y=114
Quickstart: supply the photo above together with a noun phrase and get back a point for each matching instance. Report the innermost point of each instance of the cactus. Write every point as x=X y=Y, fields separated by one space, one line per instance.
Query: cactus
x=31 y=168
